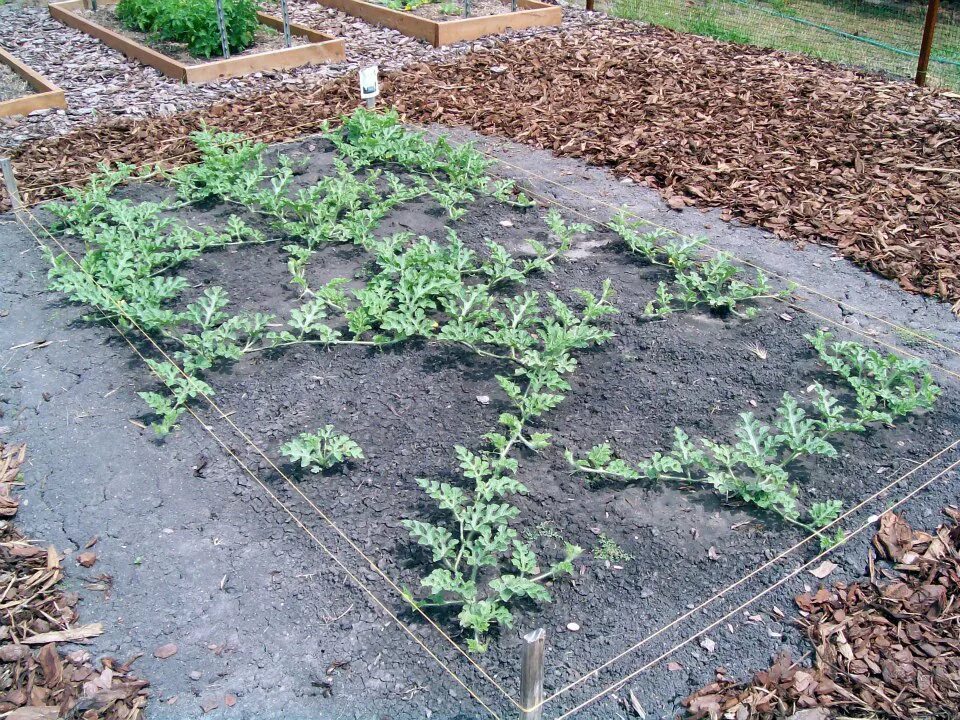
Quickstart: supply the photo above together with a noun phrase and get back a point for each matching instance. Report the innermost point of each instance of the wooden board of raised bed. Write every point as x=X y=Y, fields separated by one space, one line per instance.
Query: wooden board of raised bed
x=319 y=48
x=47 y=94
x=529 y=13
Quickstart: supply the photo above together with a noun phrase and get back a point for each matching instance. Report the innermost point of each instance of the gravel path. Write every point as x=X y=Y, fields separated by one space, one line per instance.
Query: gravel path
x=101 y=84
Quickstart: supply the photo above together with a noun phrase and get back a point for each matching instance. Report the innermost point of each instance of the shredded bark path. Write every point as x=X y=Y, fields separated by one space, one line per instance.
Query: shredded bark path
x=36 y=684
x=810 y=151
x=886 y=647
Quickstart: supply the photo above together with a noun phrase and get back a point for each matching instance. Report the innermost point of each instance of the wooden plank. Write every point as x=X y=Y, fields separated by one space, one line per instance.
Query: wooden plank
x=29 y=103
x=64 y=12
x=284 y=58
x=537 y=15
x=322 y=48
x=437 y=33
x=48 y=95
x=404 y=22
x=276 y=23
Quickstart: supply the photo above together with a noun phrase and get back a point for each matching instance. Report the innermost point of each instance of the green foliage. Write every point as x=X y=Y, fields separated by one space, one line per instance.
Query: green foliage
x=608 y=550
x=321 y=450
x=754 y=467
x=193 y=22
x=714 y=282
x=230 y=168
x=886 y=386
x=481 y=564
x=406 y=5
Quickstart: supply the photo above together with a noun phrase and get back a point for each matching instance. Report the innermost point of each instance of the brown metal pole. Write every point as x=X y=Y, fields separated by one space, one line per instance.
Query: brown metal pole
x=929 y=25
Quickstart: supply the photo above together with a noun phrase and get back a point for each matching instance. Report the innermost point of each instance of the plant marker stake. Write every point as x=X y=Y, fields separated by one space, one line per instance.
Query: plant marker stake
x=222 y=23
x=10 y=181
x=369 y=85
x=531 y=675
x=513 y=5
x=286 y=23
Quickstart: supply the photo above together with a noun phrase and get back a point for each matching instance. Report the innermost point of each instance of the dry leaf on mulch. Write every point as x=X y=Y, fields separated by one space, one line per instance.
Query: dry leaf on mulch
x=886 y=647
x=36 y=684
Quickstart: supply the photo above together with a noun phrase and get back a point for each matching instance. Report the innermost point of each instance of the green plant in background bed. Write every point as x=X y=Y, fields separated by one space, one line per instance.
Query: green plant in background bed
x=714 y=282
x=321 y=450
x=755 y=467
x=193 y=23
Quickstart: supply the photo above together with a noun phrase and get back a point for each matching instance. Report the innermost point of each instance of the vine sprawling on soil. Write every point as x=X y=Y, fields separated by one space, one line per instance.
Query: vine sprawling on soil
x=755 y=468
x=442 y=291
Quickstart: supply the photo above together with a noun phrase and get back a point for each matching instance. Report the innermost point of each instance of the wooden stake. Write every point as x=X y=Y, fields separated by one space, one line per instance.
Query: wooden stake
x=10 y=182
x=926 y=45
x=590 y=5
x=531 y=675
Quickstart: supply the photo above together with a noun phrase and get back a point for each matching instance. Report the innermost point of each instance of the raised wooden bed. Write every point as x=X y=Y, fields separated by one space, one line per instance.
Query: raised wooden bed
x=47 y=96
x=321 y=48
x=531 y=14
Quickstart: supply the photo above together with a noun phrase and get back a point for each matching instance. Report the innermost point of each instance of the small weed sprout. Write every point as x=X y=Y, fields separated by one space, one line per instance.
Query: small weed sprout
x=321 y=450
x=608 y=550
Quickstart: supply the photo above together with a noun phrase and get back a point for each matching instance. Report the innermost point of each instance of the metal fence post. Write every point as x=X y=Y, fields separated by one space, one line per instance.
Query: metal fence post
x=926 y=45
x=286 y=23
x=531 y=675
x=222 y=23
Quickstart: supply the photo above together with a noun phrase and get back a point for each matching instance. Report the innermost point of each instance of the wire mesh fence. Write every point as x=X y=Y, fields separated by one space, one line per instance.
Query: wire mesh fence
x=882 y=35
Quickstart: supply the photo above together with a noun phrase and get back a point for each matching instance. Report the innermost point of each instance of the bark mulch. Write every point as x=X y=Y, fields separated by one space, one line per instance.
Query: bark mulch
x=38 y=680
x=811 y=151
x=885 y=647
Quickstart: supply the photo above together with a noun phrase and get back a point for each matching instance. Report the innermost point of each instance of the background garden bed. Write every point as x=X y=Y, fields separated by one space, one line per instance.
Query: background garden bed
x=318 y=48
x=41 y=93
x=531 y=13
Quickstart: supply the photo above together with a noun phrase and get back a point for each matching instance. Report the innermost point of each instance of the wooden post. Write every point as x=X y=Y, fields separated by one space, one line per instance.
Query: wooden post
x=926 y=45
x=10 y=182
x=222 y=23
x=590 y=5
x=531 y=675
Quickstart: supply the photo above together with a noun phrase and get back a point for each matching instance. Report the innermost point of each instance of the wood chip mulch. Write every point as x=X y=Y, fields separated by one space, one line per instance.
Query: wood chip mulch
x=38 y=680
x=810 y=151
x=885 y=647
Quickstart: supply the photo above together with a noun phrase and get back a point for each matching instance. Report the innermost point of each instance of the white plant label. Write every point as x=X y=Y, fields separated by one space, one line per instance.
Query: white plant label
x=369 y=82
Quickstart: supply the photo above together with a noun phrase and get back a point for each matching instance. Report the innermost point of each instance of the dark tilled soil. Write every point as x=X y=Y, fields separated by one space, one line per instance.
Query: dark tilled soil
x=407 y=408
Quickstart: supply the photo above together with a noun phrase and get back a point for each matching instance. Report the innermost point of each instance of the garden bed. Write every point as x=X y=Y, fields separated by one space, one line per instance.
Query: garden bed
x=309 y=46
x=38 y=93
x=651 y=548
x=438 y=29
